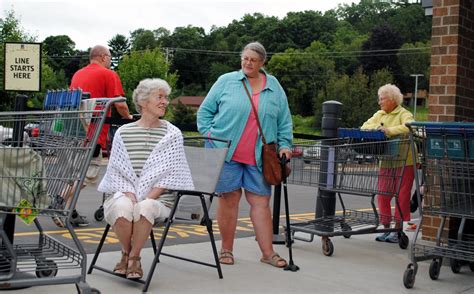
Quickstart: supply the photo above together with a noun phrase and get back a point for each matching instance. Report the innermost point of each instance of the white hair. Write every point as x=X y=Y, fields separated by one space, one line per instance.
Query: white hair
x=145 y=88
x=392 y=92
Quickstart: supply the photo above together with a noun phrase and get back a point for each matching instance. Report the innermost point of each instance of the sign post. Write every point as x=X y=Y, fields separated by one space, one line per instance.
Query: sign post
x=22 y=67
x=23 y=74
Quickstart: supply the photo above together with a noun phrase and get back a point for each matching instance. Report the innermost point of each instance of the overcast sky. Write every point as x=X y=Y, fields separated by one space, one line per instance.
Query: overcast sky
x=91 y=22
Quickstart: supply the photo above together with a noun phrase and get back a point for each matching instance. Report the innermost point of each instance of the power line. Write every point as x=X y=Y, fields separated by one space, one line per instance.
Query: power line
x=332 y=54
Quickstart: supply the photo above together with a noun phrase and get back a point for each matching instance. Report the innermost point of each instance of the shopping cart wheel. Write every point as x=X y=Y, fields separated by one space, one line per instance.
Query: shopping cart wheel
x=435 y=267
x=455 y=265
x=409 y=277
x=471 y=266
x=403 y=241
x=99 y=214
x=46 y=268
x=346 y=228
x=328 y=247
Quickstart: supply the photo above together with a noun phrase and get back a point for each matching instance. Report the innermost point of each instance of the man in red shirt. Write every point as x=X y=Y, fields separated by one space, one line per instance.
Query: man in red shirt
x=101 y=82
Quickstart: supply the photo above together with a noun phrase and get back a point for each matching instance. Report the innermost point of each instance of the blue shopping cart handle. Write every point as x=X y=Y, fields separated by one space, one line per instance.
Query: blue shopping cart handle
x=361 y=134
x=442 y=125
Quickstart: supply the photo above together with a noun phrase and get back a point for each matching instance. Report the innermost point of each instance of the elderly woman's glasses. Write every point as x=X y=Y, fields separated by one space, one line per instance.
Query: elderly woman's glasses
x=248 y=59
x=163 y=98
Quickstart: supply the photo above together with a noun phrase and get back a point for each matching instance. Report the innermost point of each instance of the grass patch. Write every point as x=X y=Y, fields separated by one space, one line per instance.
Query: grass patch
x=421 y=113
x=304 y=125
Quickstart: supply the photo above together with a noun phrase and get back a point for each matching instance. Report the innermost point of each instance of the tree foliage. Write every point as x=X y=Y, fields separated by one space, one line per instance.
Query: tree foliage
x=10 y=31
x=183 y=115
x=61 y=55
x=139 y=65
x=356 y=94
x=142 y=39
x=380 y=50
x=416 y=61
x=302 y=73
x=119 y=46
x=311 y=53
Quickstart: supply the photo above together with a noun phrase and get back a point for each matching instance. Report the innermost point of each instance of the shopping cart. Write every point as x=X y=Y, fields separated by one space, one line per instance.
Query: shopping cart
x=349 y=166
x=446 y=153
x=37 y=175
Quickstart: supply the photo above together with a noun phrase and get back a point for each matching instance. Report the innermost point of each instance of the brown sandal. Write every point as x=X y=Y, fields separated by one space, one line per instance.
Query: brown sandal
x=225 y=256
x=134 y=271
x=274 y=260
x=121 y=267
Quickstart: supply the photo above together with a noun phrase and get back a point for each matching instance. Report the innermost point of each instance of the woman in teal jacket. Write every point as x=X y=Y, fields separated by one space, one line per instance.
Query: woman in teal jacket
x=227 y=113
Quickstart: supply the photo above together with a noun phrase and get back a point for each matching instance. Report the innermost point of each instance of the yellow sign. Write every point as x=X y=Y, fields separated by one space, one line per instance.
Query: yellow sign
x=22 y=67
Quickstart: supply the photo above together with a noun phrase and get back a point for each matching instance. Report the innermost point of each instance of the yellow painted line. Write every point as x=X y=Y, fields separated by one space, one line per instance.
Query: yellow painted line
x=178 y=229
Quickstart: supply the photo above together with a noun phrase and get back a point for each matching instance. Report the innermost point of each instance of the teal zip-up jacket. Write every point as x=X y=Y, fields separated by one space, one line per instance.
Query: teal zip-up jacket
x=226 y=109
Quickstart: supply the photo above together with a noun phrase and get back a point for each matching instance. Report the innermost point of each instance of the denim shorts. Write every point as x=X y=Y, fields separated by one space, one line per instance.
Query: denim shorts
x=236 y=175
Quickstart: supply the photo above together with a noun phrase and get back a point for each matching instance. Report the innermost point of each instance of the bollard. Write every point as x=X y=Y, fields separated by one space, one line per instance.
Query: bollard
x=326 y=201
x=278 y=239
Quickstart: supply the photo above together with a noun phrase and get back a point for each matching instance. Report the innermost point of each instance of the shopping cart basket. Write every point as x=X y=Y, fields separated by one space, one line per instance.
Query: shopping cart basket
x=447 y=160
x=349 y=167
x=37 y=175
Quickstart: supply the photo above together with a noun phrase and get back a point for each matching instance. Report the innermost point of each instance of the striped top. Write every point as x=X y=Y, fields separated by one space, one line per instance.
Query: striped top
x=140 y=141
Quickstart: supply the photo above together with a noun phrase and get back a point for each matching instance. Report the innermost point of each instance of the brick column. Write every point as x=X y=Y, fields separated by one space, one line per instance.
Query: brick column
x=451 y=95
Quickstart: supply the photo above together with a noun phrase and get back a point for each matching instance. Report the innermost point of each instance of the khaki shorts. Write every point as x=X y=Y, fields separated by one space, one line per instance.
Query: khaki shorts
x=93 y=171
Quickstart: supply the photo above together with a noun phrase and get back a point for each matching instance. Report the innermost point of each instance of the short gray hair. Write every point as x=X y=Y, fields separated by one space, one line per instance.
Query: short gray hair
x=145 y=88
x=258 y=48
x=392 y=92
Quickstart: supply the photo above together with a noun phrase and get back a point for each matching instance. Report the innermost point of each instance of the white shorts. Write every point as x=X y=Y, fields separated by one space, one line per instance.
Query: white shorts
x=124 y=207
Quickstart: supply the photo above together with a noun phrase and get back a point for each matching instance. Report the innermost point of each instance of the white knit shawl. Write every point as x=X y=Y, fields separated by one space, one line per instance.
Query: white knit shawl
x=166 y=167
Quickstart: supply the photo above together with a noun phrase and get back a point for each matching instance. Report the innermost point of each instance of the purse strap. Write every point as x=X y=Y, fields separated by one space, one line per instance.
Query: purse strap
x=255 y=112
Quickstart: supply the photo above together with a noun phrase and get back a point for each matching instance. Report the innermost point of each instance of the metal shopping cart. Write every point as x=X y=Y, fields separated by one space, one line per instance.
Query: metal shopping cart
x=446 y=153
x=350 y=165
x=37 y=175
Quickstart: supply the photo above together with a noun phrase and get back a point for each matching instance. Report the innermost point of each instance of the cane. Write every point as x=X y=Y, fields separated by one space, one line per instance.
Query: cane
x=290 y=266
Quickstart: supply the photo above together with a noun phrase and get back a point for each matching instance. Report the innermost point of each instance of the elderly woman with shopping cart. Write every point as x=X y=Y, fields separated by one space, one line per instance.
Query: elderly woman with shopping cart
x=391 y=119
x=147 y=159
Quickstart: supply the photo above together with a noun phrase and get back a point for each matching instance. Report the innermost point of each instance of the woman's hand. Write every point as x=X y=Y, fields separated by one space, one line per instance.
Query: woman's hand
x=155 y=193
x=287 y=153
x=384 y=130
x=131 y=196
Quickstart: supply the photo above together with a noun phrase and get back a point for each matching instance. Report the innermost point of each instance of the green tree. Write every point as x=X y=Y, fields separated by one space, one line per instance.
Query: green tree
x=139 y=65
x=61 y=55
x=183 y=115
x=189 y=59
x=346 y=48
x=303 y=28
x=380 y=50
x=119 y=46
x=415 y=59
x=10 y=31
x=218 y=69
x=355 y=93
x=302 y=73
x=60 y=45
x=142 y=39
x=411 y=23
x=366 y=14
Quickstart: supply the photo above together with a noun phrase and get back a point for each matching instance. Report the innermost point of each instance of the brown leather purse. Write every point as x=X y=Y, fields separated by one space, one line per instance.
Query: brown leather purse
x=272 y=170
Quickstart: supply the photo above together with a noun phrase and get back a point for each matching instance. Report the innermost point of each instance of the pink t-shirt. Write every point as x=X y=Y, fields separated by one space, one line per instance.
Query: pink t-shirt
x=245 y=150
